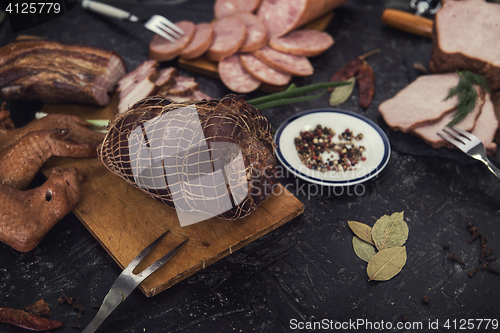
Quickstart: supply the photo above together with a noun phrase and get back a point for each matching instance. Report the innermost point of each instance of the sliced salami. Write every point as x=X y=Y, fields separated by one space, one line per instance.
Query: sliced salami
x=283 y=16
x=304 y=42
x=202 y=39
x=162 y=49
x=284 y=62
x=229 y=35
x=235 y=77
x=256 y=36
x=263 y=72
x=223 y=8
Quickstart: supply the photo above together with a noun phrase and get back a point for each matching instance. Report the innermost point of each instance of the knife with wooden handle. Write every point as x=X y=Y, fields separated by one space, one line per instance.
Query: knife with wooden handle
x=411 y=23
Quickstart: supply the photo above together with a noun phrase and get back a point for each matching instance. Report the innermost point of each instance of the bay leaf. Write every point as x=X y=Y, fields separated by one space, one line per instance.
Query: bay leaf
x=363 y=231
x=341 y=94
x=390 y=231
x=363 y=249
x=386 y=264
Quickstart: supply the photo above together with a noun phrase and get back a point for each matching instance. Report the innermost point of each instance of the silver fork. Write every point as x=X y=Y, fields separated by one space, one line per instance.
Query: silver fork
x=127 y=281
x=469 y=144
x=156 y=23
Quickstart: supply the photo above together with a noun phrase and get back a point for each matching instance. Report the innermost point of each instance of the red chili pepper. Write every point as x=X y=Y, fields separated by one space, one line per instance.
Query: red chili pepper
x=27 y=320
x=366 y=85
x=348 y=71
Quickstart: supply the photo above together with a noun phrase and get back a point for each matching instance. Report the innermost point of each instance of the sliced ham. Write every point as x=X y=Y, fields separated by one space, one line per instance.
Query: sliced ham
x=183 y=86
x=284 y=62
x=256 y=36
x=422 y=101
x=167 y=77
x=466 y=36
x=486 y=127
x=146 y=80
x=229 y=36
x=162 y=49
x=138 y=84
x=303 y=42
x=428 y=132
x=202 y=39
x=235 y=77
x=263 y=72
x=283 y=16
x=223 y=8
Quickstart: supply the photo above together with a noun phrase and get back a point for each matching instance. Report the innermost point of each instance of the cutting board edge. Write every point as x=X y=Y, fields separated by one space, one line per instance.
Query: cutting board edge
x=150 y=292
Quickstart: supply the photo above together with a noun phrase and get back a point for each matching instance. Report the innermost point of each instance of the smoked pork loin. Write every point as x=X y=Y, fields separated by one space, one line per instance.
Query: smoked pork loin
x=58 y=72
x=466 y=36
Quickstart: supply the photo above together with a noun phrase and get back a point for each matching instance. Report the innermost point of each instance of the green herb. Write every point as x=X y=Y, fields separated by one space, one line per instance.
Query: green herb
x=98 y=125
x=293 y=95
x=466 y=94
x=341 y=94
x=388 y=236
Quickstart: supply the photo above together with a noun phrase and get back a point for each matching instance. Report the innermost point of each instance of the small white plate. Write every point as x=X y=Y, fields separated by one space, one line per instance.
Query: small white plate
x=374 y=140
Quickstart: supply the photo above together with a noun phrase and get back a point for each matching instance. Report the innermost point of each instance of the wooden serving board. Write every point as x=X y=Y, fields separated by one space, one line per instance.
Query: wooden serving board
x=125 y=220
x=207 y=67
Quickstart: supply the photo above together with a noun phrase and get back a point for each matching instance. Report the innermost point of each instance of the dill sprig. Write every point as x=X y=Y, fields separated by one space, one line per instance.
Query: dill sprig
x=466 y=94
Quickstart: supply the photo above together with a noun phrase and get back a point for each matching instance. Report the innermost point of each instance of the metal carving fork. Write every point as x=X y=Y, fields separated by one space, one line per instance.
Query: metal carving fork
x=156 y=23
x=127 y=281
x=469 y=144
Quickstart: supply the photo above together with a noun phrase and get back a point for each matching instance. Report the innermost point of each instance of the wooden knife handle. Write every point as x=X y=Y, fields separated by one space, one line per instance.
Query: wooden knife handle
x=408 y=22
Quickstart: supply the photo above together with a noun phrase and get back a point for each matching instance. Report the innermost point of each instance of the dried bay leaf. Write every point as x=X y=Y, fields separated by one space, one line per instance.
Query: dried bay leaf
x=363 y=249
x=342 y=93
x=384 y=265
x=390 y=231
x=361 y=230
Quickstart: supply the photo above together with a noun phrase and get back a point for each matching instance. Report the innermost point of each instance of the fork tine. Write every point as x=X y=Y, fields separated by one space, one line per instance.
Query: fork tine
x=160 y=262
x=461 y=132
x=159 y=31
x=137 y=260
x=165 y=28
x=169 y=23
x=452 y=138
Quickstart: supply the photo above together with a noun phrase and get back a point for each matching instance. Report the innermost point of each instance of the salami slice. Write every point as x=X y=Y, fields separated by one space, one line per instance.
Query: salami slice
x=223 y=8
x=256 y=36
x=202 y=39
x=304 y=42
x=284 y=62
x=229 y=35
x=283 y=16
x=235 y=77
x=162 y=49
x=263 y=72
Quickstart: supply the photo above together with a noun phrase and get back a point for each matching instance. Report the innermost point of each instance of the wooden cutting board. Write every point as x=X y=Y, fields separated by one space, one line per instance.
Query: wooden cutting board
x=125 y=220
x=207 y=67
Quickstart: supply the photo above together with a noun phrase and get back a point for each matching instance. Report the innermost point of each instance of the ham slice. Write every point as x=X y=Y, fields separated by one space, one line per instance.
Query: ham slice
x=303 y=42
x=283 y=16
x=230 y=33
x=235 y=77
x=284 y=62
x=202 y=39
x=146 y=80
x=223 y=8
x=138 y=84
x=162 y=49
x=422 y=101
x=486 y=127
x=428 y=132
x=256 y=36
x=466 y=36
x=263 y=72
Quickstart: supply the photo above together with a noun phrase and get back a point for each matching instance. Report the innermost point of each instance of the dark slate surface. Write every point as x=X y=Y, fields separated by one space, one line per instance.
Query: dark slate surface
x=306 y=270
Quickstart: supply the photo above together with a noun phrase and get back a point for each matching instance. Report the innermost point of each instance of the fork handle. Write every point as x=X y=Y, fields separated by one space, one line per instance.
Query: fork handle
x=104 y=9
x=493 y=168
